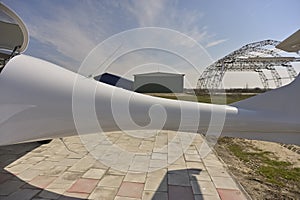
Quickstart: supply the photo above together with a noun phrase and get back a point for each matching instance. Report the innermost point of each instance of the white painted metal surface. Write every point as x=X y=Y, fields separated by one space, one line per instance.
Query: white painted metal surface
x=13 y=31
x=36 y=103
x=291 y=44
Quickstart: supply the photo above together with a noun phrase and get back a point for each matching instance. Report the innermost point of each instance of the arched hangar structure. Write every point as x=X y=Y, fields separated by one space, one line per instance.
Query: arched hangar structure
x=254 y=57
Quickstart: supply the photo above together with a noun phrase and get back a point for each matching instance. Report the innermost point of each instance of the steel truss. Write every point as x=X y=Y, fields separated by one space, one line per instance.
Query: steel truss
x=255 y=57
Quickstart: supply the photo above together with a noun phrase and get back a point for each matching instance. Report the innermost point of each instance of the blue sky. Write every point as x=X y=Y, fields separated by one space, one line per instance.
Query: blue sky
x=65 y=31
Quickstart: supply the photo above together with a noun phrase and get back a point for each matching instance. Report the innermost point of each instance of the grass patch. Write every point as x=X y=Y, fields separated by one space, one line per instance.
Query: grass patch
x=279 y=174
x=245 y=156
x=217 y=99
x=276 y=172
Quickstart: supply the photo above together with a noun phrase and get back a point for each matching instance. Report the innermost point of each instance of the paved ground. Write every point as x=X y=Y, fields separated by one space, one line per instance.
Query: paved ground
x=50 y=171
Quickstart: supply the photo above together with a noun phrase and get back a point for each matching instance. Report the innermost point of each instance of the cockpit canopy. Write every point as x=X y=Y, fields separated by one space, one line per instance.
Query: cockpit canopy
x=13 y=34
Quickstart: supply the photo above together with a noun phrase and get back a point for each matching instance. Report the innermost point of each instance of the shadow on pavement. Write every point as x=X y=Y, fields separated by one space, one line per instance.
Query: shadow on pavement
x=12 y=187
x=177 y=184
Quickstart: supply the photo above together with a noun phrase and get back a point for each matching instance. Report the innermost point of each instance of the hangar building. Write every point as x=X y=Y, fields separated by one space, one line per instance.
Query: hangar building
x=158 y=82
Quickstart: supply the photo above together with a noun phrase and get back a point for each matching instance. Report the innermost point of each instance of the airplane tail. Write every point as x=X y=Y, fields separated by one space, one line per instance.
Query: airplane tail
x=284 y=101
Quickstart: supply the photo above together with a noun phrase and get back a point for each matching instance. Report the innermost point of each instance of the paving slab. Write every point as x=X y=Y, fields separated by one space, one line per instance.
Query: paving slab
x=224 y=183
x=29 y=174
x=106 y=193
x=179 y=178
x=24 y=194
x=204 y=188
x=135 y=177
x=49 y=195
x=152 y=195
x=157 y=171
x=180 y=192
x=83 y=185
x=94 y=173
x=9 y=187
x=154 y=183
x=42 y=181
x=111 y=181
x=228 y=194
x=131 y=189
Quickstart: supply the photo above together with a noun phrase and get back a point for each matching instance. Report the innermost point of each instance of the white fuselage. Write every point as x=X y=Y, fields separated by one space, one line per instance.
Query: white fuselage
x=38 y=101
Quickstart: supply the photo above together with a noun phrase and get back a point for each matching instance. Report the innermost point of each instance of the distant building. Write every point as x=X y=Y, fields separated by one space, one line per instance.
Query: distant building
x=115 y=80
x=158 y=82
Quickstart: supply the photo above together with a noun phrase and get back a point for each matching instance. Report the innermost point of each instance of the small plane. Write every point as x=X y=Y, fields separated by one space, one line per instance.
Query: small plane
x=37 y=101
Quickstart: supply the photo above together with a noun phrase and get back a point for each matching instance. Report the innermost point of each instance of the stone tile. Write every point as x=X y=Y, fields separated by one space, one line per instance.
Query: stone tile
x=153 y=169
x=24 y=194
x=94 y=173
x=217 y=171
x=8 y=160
x=49 y=195
x=199 y=175
x=212 y=162
x=192 y=157
x=17 y=169
x=111 y=181
x=179 y=178
x=10 y=186
x=44 y=165
x=28 y=186
x=74 y=195
x=55 y=171
x=158 y=163
x=175 y=167
x=152 y=195
x=4 y=177
x=56 y=158
x=191 y=151
x=42 y=181
x=106 y=193
x=71 y=176
x=211 y=156
x=159 y=156
x=83 y=185
x=158 y=173
x=160 y=150
x=180 y=192
x=115 y=172
x=135 y=177
x=29 y=174
x=75 y=156
x=195 y=165
x=83 y=164
x=34 y=159
x=224 y=183
x=155 y=183
x=177 y=161
x=227 y=194
x=67 y=162
x=125 y=198
x=131 y=189
x=140 y=163
x=206 y=197
x=58 y=191
x=99 y=165
x=204 y=187
x=60 y=185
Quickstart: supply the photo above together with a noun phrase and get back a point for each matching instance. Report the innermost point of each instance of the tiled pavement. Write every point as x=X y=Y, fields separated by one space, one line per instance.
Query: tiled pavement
x=51 y=171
